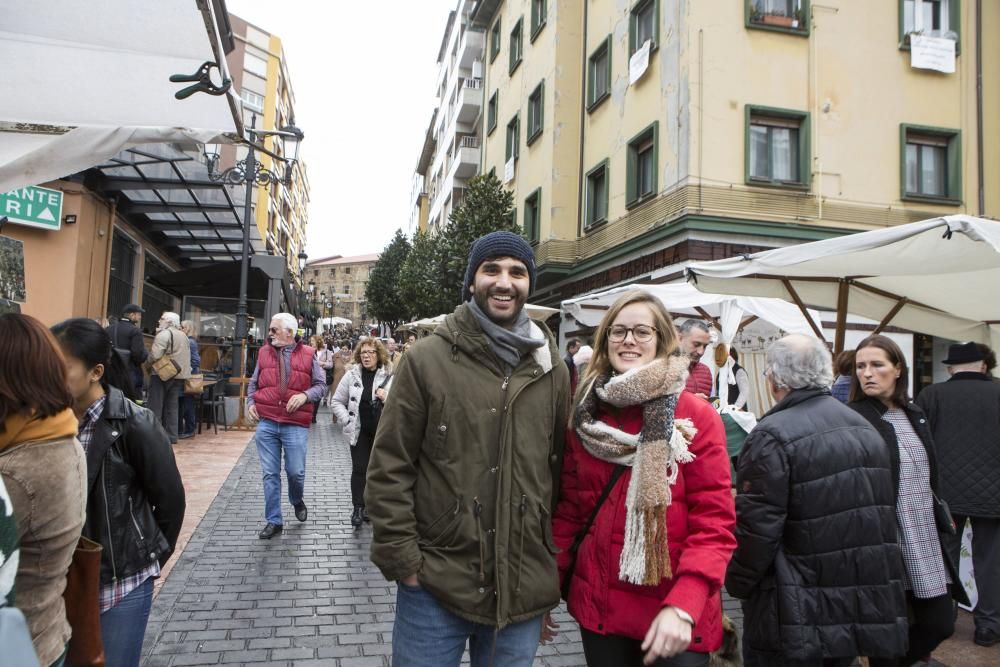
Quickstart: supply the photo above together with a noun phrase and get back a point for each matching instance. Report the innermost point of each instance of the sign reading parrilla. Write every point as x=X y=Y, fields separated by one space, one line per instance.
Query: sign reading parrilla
x=33 y=206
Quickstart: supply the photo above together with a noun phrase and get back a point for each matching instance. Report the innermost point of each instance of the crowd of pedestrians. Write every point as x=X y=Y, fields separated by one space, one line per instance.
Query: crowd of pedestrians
x=501 y=475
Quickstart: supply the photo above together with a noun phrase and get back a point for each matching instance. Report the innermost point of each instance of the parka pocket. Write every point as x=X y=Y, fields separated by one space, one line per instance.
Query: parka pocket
x=436 y=434
x=442 y=528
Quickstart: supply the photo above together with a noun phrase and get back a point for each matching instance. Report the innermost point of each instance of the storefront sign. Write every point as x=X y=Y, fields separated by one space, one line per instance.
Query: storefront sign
x=33 y=206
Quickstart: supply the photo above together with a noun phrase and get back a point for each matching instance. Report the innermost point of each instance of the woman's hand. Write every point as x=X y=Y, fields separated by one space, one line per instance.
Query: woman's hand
x=380 y=394
x=668 y=635
x=549 y=628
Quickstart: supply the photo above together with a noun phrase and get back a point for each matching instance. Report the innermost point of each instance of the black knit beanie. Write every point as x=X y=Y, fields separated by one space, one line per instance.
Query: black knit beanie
x=498 y=244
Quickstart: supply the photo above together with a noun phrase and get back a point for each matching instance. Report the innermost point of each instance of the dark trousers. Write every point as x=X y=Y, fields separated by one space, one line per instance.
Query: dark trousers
x=986 y=566
x=932 y=620
x=163 y=402
x=189 y=421
x=360 y=455
x=601 y=650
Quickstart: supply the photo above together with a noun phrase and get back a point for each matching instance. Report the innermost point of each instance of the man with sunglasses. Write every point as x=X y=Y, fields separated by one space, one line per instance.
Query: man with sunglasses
x=460 y=483
x=286 y=384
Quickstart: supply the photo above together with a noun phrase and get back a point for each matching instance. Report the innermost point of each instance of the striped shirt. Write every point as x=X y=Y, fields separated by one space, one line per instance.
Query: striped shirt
x=918 y=537
x=113 y=593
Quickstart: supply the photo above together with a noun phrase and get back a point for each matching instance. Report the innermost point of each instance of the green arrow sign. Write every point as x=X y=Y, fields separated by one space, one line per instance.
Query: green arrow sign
x=33 y=206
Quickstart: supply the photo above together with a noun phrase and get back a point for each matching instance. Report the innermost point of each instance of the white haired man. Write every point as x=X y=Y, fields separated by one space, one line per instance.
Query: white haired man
x=164 y=395
x=287 y=384
x=818 y=564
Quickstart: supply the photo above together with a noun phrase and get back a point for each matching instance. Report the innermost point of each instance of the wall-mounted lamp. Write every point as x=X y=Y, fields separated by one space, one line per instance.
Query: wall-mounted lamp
x=69 y=219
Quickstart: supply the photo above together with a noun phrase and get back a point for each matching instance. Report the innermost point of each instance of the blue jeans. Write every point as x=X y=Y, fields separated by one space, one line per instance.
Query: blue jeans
x=272 y=438
x=124 y=625
x=426 y=634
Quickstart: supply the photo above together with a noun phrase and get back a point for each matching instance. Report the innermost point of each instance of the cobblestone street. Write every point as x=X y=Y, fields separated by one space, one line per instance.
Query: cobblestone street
x=309 y=596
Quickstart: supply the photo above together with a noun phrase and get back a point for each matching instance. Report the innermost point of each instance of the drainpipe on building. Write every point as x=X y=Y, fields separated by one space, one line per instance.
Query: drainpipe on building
x=979 y=107
x=583 y=118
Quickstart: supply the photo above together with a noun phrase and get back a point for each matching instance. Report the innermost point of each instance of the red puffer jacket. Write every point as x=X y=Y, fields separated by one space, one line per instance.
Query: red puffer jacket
x=700 y=524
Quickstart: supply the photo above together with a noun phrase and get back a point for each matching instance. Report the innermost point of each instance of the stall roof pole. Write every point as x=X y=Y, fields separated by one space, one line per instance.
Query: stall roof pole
x=842 y=296
x=805 y=312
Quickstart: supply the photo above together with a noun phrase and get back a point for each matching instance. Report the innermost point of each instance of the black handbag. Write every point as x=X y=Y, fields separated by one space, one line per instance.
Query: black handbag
x=942 y=516
x=377 y=403
x=578 y=540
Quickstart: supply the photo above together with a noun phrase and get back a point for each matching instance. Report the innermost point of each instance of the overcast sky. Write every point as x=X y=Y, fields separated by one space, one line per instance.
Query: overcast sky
x=363 y=76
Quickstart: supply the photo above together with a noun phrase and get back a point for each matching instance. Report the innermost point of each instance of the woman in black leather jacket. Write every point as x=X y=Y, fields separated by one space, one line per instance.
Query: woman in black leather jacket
x=135 y=498
x=879 y=394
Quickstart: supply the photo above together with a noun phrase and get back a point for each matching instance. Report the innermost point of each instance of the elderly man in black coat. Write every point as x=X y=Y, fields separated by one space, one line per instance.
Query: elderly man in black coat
x=964 y=414
x=818 y=564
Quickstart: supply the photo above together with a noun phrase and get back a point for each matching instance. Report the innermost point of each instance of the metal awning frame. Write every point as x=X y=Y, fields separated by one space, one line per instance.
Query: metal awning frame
x=164 y=219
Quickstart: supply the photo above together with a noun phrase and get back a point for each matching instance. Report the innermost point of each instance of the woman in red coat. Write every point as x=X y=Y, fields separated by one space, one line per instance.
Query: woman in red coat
x=645 y=586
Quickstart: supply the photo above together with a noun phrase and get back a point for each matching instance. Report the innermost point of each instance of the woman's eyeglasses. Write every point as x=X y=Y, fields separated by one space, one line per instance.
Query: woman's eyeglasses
x=641 y=333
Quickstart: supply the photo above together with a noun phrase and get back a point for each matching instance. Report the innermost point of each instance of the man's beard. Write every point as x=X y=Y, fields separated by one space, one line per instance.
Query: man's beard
x=483 y=301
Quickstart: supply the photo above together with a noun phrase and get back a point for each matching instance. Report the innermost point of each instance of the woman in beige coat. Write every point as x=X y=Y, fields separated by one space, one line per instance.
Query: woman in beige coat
x=45 y=472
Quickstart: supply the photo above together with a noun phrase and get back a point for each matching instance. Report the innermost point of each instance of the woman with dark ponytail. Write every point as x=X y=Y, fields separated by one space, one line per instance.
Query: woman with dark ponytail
x=135 y=499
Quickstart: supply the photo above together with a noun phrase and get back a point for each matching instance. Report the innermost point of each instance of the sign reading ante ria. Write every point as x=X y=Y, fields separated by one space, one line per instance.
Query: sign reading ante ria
x=33 y=206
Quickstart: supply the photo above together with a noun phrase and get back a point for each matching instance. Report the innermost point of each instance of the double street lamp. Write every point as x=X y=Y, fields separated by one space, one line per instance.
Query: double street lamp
x=249 y=173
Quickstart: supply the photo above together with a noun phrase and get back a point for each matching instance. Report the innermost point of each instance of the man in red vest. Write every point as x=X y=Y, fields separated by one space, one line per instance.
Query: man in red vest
x=286 y=384
x=695 y=337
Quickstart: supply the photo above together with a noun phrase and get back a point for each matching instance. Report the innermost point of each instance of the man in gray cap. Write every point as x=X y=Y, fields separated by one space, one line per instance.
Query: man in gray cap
x=462 y=470
x=964 y=413
x=127 y=340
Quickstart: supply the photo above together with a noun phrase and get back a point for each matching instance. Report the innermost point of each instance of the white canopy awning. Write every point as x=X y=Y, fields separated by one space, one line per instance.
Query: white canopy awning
x=84 y=80
x=683 y=300
x=938 y=277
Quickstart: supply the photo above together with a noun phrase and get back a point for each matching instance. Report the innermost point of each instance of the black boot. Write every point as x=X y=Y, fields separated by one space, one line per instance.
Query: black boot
x=364 y=515
x=356 y=517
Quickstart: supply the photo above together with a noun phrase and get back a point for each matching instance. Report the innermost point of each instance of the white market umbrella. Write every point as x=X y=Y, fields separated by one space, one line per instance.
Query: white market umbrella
x=937 y=276
x=730 y=313
x=539 y=312
x=83 y=81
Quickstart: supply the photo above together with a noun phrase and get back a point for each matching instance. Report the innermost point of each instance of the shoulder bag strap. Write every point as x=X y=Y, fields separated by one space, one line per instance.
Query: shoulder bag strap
x=578 y=540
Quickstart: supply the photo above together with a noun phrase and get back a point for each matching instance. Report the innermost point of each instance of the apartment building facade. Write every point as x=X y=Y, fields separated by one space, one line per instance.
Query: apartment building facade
x=259 y=70
x=338 y=284
x=451 y=149
x=640 y=135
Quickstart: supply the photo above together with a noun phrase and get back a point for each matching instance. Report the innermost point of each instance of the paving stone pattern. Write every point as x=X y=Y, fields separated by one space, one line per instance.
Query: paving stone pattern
x=307 y=597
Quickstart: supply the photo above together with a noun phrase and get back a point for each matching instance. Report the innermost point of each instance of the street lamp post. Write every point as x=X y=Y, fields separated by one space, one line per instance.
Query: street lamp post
x=250 y=173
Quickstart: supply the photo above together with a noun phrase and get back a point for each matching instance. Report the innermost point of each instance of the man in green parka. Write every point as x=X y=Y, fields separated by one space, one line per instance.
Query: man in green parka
x=460 y=484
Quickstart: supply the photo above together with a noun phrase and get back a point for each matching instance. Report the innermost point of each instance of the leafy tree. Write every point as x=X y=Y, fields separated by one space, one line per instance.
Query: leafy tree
x=486 y=208
x=383 y=291
x=420 y=278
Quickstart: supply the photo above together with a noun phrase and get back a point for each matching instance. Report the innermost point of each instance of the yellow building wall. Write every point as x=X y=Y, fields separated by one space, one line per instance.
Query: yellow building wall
x=552 y=160
x=632 y=108
x=849 y=75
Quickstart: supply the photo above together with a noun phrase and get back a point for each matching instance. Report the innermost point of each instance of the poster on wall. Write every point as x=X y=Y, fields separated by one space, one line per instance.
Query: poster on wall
x=12 y=269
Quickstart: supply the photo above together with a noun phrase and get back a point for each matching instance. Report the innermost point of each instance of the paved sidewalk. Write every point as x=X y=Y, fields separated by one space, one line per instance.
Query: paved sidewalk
x=308 y=597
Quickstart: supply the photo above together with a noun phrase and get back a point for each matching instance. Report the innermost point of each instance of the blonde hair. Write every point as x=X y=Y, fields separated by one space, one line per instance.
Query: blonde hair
x=380 y=351
x=187 y=326
x=600 y=362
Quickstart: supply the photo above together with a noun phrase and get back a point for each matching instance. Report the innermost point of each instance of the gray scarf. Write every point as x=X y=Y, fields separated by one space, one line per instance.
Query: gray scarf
x=508 y=344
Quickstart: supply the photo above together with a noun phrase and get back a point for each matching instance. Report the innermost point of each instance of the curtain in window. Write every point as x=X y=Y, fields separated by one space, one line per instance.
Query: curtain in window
x=781 y=154
x=912 y=169
x=758 y=152
x=933 y=173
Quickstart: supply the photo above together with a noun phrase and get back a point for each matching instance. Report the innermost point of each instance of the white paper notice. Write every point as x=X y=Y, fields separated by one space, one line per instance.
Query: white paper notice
x=936 y=53
x=508 y=171
x=639 y=62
